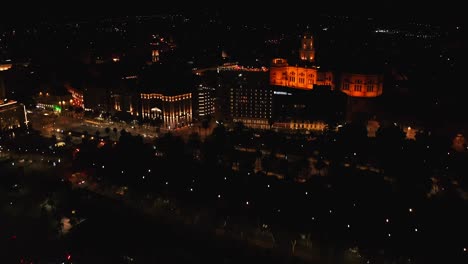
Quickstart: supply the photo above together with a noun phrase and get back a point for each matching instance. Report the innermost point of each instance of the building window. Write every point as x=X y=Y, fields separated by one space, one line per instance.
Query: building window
x=357 y=87
x=370 y=88
x=345 y=86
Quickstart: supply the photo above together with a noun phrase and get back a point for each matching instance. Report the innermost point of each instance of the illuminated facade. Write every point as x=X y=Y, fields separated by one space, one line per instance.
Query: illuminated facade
x=282 y=74
x=302 y=77
x=4 y=67
x=307 y=50
x=175 y=111
x=251 y=101
x=151 y=105
x=155 y=55
x=53 y=102
x=318 y=126
x=77 y=97
x=125 y=103
x=206 y=100
x=361 y=85
x=12 y=115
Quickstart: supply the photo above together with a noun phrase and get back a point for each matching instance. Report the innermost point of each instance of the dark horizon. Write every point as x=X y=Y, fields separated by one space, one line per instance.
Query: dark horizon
x=390 y=12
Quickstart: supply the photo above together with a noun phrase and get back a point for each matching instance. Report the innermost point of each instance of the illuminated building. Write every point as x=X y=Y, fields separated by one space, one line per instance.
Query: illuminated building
x=361 y=85
x=317 y=126
x=77 y=97
x=12 y=115
x=251 y=100
x=234 y=77
x=282 y=74
x=206 y=100
x=56 y=103
x=125 y=103
x=174 y=110
x=306 y=77
x=160 y=45
x=6 y=66
x=155 y=55
x=362 y=91
x=307 y=50
x=358 y=86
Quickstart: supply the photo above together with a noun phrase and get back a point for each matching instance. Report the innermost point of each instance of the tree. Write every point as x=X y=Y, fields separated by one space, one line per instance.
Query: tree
x=194 y=141
x=205 y=124
x=107 y=130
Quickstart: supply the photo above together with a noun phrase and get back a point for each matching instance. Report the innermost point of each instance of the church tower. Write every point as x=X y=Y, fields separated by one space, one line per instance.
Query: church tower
x=307 y=50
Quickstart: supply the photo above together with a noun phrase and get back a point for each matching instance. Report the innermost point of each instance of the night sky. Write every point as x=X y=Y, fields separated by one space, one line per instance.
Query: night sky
x=392 y=11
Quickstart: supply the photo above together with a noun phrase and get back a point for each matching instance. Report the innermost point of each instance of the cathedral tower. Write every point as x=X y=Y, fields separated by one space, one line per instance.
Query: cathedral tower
x=307 y=50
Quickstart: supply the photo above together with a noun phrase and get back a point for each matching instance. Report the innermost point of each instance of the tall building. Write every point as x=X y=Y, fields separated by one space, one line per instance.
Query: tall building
x=307 y=50
x=205 y=101
x=251 y=100
x=228 y=79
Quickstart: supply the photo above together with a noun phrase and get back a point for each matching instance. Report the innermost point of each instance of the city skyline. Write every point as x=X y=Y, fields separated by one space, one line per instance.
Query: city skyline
x=287 y=134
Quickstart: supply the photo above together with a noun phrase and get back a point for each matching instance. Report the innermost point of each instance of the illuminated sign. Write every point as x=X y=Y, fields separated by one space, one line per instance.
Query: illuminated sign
x=281 y=93
x=57 y=108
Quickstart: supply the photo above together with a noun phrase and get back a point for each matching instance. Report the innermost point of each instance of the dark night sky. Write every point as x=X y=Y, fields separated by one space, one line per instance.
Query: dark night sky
x=390 y=10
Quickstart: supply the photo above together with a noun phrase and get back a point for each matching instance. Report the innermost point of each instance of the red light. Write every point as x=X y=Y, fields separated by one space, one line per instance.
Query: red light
x=68 y=257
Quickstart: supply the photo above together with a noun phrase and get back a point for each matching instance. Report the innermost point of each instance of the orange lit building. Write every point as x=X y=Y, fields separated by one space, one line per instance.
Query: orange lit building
x=299 y=77
x=306 y=77
x=6 y=66
x=77 y=96
x=307 y=51
x=361 y=85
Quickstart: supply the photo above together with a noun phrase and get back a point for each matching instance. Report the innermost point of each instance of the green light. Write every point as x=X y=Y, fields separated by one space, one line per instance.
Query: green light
x=57 y=108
